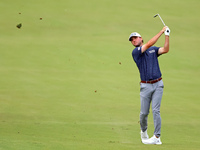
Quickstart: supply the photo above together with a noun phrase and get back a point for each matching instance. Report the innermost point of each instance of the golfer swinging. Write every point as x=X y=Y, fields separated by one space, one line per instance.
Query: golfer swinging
x=151 y=85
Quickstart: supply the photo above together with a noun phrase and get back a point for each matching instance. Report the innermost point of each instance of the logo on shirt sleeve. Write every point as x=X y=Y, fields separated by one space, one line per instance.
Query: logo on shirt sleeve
x=138 y=48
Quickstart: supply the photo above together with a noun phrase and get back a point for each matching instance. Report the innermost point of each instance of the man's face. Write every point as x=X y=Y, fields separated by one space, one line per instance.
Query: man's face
x=136 y=41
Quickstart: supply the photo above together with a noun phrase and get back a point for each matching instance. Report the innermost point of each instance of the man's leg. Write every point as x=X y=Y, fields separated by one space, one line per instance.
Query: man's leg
x=156 y=102
x=145 y=99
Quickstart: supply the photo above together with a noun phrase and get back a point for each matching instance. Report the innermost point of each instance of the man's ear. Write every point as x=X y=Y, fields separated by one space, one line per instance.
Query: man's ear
x=142 y=40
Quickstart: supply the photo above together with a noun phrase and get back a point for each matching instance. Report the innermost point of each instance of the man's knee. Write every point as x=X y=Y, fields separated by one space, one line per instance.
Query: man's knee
x=156 y=112
x=144 y=114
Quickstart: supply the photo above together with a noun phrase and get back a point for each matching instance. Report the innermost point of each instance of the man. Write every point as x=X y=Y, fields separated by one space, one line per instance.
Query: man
x=151 y=85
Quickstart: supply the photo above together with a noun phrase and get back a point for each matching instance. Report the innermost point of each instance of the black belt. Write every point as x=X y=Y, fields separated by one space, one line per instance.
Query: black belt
x=152 y=81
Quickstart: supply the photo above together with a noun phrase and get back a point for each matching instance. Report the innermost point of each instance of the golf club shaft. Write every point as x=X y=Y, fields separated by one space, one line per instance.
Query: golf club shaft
x=161 y=20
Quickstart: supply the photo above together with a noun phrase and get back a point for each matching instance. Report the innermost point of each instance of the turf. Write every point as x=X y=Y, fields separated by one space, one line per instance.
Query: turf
x=68 y=81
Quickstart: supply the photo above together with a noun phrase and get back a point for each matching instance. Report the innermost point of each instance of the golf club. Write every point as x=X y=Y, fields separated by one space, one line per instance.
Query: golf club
x=160 y=18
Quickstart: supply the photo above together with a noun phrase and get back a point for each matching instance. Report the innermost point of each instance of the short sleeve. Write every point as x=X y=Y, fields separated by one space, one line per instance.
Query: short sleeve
x=136 y=53
x=156 y=49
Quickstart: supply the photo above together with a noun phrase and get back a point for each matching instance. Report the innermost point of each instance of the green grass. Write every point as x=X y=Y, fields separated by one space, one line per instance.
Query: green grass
x=51 y=68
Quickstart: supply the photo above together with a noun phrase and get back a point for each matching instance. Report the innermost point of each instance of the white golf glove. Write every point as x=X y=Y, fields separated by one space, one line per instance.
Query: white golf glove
x=167 y=31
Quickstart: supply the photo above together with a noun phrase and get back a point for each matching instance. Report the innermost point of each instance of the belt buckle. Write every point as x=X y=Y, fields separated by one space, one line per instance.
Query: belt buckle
x=151 y=81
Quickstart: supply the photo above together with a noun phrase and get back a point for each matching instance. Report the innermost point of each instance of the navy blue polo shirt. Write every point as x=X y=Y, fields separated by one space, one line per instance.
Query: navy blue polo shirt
x=147 y=63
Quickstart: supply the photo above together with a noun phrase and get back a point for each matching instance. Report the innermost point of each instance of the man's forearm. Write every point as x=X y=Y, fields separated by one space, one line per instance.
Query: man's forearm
x=166 y=45
x=165 y=49
x=152 y=41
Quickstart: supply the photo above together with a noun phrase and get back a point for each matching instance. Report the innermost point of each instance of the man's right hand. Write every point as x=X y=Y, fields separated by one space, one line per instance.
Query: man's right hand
x=164 y=28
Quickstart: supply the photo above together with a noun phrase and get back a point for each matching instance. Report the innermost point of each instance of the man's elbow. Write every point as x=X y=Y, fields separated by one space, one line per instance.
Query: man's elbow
x=166 y=50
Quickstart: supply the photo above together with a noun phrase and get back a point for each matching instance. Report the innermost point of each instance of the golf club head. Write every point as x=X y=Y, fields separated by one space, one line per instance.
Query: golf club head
x=160 y=18
x=155 y=15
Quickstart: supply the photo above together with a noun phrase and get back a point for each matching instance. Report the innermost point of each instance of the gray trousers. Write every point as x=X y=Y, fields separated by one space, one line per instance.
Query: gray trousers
x=151 y=93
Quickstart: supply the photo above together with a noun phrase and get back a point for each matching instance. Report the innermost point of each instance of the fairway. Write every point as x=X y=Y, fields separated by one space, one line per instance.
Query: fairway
x=68 y=80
